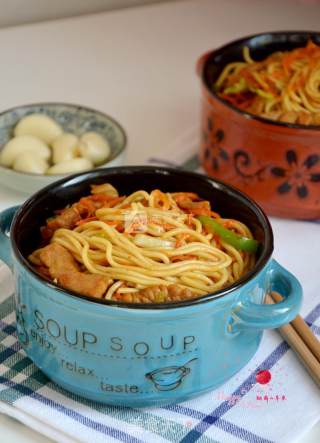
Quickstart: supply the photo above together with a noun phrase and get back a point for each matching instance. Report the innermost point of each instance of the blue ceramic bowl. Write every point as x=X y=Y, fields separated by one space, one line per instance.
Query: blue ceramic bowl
x=140 y=355
x=73 y=118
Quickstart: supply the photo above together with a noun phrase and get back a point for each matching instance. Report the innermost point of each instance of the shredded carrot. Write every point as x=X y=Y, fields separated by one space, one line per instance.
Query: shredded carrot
x=87 y=203
x=181 y=239
x=114 y=201
x=228 y=224
x=101 y=197
x=111 y=223
x=184 y=195
x=217 y=239
x=214 y=214
x=167 y=226
x=278 y=75
x=200 y=211
x=189 y=220
x=159 y=222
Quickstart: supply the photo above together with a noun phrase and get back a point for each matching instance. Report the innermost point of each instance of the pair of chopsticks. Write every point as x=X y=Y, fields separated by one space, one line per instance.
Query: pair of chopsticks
x=301 y=340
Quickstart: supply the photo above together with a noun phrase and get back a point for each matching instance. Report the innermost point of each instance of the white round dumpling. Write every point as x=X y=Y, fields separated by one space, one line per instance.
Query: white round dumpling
x=39 y=125
x=69 y=166
x=23 y=143
x=64 y=148
x=29 y=161
x=94 y=147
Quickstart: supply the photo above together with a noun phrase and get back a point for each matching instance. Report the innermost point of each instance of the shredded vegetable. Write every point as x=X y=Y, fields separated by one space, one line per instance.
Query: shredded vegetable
x=284 y=87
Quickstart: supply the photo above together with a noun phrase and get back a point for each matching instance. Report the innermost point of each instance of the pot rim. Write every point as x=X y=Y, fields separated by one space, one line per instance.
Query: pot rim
x=264 y=223
x=208 y=58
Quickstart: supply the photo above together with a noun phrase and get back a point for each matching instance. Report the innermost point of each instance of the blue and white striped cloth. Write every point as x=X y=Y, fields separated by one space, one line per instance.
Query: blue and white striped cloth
x=240 y=410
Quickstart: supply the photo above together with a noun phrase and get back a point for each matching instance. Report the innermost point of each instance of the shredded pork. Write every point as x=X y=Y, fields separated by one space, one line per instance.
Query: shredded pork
x=63 y=268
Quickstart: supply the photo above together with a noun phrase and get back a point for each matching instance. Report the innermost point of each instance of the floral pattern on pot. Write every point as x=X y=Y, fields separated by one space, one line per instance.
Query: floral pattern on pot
x=245 y=168
x=292 y=175
x=214 y=151
x=295 y=176
x=298 y=174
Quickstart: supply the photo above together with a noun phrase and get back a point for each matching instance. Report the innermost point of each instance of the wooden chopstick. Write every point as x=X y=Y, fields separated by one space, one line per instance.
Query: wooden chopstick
x=296 y=341
x=302 y=329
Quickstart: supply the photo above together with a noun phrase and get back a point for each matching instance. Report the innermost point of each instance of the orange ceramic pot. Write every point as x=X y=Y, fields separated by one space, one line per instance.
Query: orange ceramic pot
x=278 y=164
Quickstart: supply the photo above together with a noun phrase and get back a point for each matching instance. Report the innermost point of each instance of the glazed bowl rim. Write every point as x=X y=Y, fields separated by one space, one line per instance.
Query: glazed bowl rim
x=71 y=105
x=263 y=220
x=245 y=114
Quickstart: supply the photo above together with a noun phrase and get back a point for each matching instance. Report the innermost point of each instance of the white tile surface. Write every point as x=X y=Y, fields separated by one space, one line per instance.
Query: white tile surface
x=137 y=65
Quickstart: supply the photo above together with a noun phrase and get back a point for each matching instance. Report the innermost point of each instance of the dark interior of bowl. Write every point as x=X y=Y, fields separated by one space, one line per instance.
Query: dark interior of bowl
x=260 y=46
x=229 y=202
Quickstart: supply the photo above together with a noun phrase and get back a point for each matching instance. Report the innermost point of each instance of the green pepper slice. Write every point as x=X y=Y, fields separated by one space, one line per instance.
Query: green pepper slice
x=241 y=243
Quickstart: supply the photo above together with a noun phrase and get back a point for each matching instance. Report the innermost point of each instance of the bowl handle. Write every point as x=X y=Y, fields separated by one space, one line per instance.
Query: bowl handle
x=6 y=218
x=247 y=314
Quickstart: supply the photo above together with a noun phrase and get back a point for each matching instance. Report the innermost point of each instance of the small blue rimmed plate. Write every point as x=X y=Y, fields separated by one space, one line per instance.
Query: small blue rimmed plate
x=73 y=118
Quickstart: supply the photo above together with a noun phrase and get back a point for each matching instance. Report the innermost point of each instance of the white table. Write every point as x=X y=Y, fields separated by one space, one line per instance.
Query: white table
x=137 y=65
